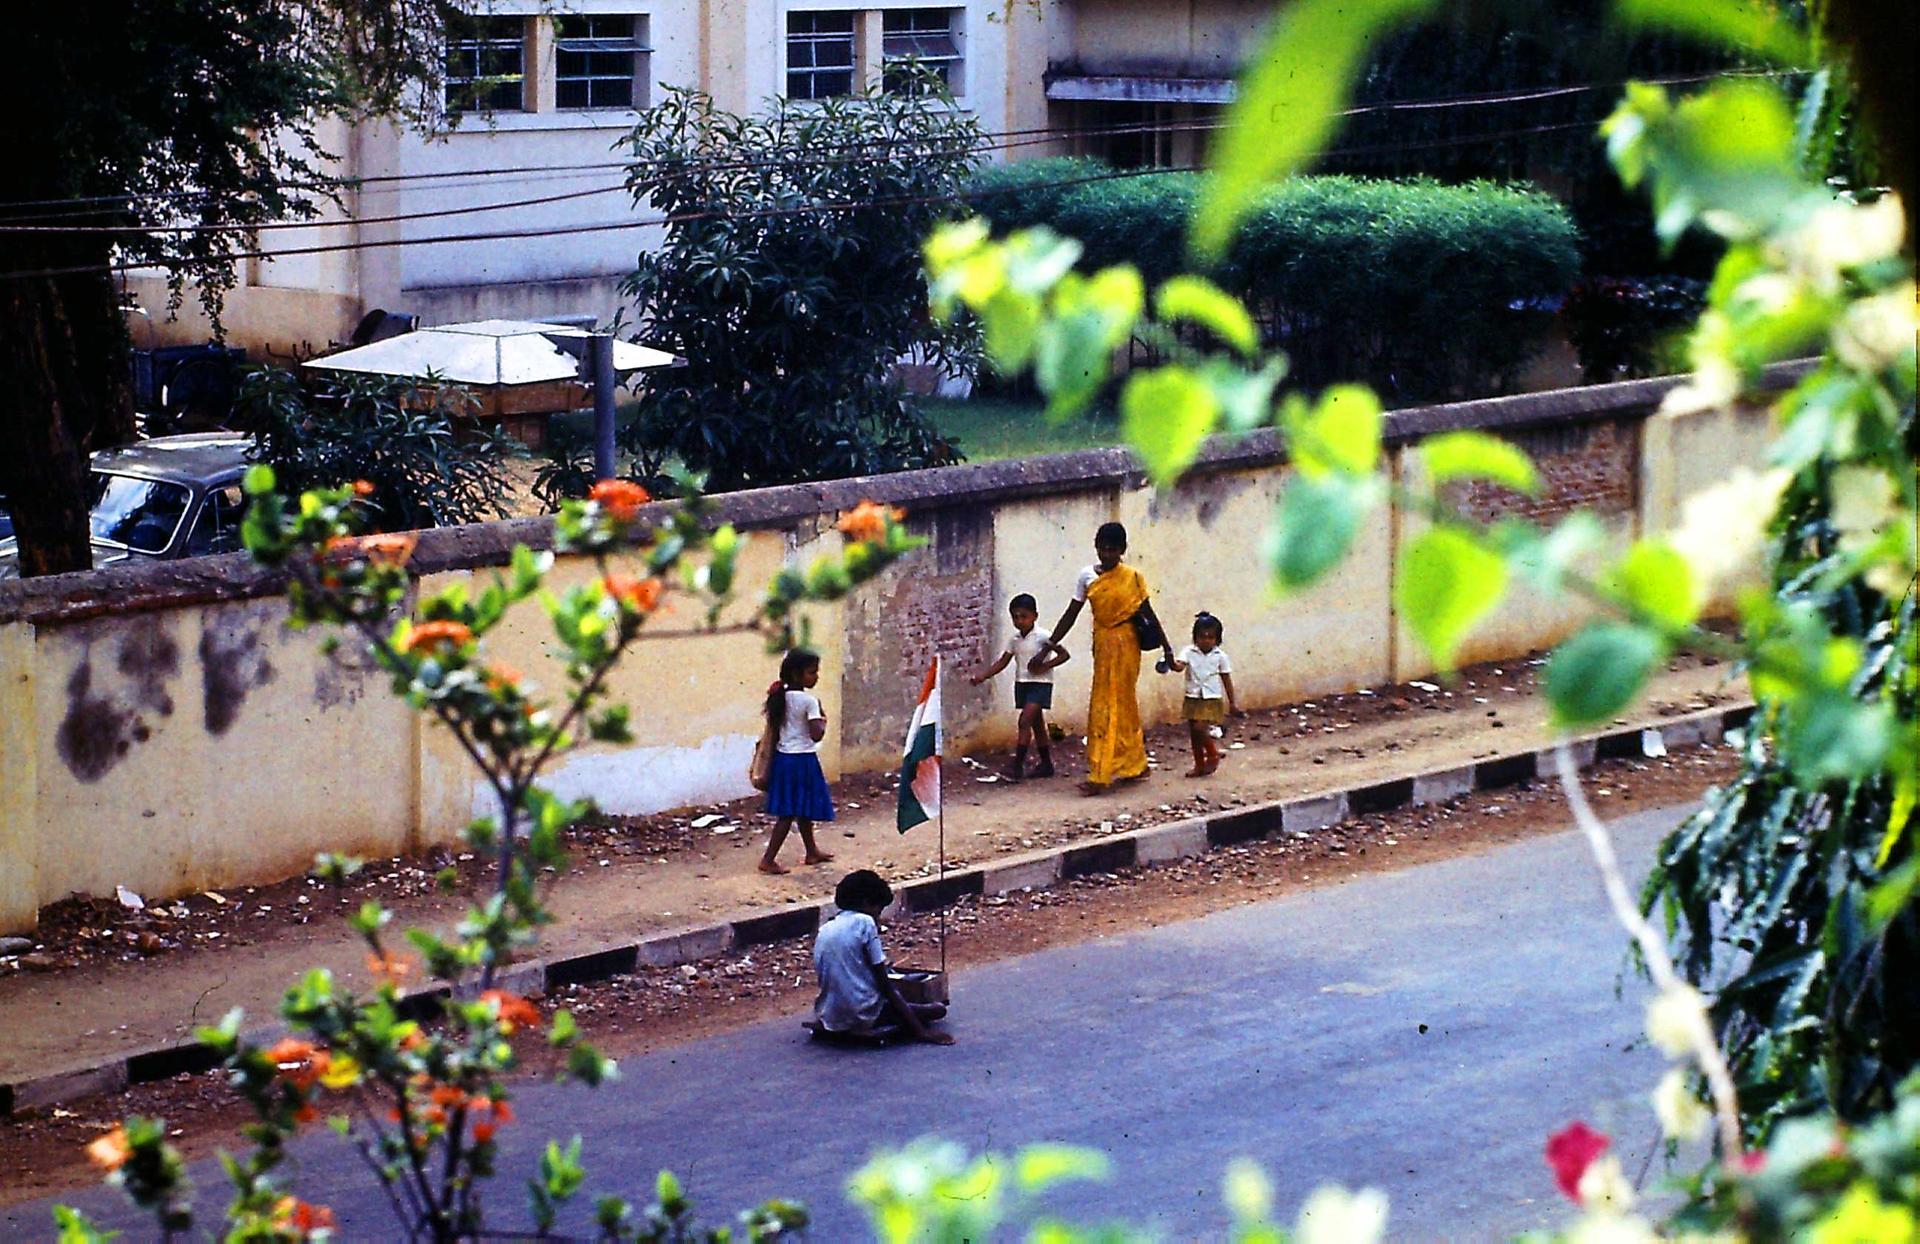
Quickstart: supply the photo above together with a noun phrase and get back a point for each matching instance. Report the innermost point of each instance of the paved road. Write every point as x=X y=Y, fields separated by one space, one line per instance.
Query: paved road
x=1419 y=1031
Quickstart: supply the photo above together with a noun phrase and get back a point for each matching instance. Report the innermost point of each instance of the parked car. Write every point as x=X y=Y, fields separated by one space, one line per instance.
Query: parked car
x=165 y=498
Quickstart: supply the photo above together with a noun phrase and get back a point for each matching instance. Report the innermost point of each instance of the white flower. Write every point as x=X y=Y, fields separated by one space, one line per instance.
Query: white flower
x=1839 y=236
x=1876 y=332
x=1332 y=1215
x=1676 y=1018
x=1604 y=1188
x=1682 y=1116
x=1723 y=527
x=1862 y=499
x=1248 y=1190
x=1611 y=1229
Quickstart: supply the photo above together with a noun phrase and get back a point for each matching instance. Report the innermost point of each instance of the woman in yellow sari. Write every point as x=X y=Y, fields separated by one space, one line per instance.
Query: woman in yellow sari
x=1116 y=745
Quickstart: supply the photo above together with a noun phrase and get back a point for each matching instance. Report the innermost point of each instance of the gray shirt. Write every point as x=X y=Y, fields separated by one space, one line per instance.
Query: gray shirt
x=844 y=956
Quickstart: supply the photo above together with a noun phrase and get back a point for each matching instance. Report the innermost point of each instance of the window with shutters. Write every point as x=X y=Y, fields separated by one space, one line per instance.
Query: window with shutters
x=600 y=61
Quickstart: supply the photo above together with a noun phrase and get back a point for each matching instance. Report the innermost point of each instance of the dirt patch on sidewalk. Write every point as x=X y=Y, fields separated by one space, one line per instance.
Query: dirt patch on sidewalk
x=657 y=1008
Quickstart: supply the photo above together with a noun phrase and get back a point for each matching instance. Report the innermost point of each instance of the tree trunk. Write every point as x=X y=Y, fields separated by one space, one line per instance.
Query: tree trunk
x=64 y=354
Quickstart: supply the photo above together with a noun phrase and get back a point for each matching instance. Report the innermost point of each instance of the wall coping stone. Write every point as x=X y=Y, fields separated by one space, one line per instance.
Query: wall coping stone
x=145 y=586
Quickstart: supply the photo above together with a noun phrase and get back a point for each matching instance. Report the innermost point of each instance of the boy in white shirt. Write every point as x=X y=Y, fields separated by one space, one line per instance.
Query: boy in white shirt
x=857 y=997
x=1209 y=674
x=1034 y=656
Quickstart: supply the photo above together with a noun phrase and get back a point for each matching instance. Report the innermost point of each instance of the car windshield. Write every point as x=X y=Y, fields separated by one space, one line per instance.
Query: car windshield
x=141 y=514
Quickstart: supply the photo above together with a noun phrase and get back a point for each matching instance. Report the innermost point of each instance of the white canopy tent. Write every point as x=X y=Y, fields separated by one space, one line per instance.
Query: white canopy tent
x=489 y=353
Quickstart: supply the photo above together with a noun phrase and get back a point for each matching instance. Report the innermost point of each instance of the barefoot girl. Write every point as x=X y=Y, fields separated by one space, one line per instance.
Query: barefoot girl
x=796 y=788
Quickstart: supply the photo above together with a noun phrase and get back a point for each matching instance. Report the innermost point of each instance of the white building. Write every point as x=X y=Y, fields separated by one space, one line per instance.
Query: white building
x=558 y=83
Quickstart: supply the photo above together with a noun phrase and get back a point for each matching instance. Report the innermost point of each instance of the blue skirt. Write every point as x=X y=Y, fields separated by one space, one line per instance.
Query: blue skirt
x=796 y=787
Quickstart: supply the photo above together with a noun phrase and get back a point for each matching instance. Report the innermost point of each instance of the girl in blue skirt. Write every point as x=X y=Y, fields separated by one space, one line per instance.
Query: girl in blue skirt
x=796 y=788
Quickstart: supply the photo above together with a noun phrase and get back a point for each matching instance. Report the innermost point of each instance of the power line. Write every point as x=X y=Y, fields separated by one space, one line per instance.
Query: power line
x=1037 y=134
x=773 y=212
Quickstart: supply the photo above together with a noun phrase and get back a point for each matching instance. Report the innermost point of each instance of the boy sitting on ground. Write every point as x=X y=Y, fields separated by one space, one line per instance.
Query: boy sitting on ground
x=857 y=997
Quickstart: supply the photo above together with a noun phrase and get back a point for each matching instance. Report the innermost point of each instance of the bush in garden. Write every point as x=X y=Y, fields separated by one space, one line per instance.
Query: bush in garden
x=1016 y=194
x=423 y=1102
x=1421 y=289
x=429 y=461
x=791 y=317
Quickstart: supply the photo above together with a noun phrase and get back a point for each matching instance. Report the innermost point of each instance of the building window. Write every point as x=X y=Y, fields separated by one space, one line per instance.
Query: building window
x=819 y=55
x=600 y=61
x=486 y=64
x=927 y=37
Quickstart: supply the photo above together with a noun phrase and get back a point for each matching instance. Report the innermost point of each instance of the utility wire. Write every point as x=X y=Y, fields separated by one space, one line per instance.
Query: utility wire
x=985 y=139
x=770 y=212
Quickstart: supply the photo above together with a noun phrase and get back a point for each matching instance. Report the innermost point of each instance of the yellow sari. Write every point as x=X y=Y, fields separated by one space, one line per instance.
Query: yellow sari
x=1116 y=748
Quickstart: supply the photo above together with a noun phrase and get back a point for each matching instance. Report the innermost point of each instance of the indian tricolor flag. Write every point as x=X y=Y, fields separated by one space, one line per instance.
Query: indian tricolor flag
x=920 y=767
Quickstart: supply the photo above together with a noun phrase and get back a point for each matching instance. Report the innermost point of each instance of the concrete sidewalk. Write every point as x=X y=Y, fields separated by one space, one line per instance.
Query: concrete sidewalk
x=98 y=1026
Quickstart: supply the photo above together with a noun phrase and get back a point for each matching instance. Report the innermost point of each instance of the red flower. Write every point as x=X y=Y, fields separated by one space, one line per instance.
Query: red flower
x=639 y=595
x=511 y=1008
x=868 y=521
x=111 y=1151
x=436 y=634
x=1570 y=1151
x=621 y=498
x=300 y=1063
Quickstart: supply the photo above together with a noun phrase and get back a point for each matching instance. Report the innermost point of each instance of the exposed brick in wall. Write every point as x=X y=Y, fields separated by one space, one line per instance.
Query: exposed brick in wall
x=937 y=600
x=1592 y=466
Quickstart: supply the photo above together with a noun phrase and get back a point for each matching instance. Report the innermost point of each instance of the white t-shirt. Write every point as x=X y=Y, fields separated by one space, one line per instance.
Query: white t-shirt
x=1024 y=648
x=1085 y=581
x=802 y=707
x=845 y=952
x=1203 y=672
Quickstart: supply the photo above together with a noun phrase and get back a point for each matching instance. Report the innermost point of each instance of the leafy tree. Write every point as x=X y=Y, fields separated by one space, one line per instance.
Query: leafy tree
x=1792 y=899
x=790 y=281
x=425 y=462
x=104 y=131
x=423 y=1103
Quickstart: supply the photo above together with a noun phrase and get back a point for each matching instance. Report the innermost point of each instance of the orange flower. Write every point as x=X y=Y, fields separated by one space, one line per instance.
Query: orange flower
x=439 y=634
x=361 y=488
x=621 y=498
x=501 y=676
x=447 y=1096
x=511 y=1008
x=488 y=1114
x=302 y=1217
x=413 y=1041
x=302 y=1063
x=393 y=548
x=639 y=595
x=388 y=966
x=111 y=1151
x=868 y=521
x=308 y=1113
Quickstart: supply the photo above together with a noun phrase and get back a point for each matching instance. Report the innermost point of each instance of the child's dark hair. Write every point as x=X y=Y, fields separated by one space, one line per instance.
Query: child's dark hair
x=1024 y=601
x=792 y=667
x=1204 y=621
x=862 y=890
x=1111 y=535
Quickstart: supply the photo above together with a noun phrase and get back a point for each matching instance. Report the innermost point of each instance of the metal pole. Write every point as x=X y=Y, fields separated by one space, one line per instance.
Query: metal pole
x=600 y=351
x=941 y=821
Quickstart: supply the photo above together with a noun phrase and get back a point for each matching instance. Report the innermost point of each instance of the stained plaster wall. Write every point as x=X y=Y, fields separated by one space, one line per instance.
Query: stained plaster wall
x=161 y=728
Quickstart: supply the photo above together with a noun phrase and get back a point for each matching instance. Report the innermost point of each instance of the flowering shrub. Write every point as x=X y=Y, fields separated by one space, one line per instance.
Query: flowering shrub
x=423 y=1102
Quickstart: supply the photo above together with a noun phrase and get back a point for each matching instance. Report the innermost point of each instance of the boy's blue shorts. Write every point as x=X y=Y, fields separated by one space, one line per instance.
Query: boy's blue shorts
x=1038 y=694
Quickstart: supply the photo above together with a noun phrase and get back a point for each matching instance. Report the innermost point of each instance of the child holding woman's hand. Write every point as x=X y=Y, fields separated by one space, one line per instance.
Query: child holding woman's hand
x=1209 y=692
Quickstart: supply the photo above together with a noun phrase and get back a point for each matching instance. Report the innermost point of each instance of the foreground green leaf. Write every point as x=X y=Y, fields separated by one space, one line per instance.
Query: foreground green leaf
x=1447 y=583
x=1597 y=673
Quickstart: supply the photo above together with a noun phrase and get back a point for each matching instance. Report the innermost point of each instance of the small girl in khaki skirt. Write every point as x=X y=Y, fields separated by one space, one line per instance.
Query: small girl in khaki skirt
x=1209 y=695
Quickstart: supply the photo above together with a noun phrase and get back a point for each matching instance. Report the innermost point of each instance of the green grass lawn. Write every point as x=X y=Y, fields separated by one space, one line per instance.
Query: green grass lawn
x=992 y=428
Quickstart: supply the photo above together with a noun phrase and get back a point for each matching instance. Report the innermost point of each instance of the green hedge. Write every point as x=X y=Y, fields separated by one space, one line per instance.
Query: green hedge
x=1423 y=289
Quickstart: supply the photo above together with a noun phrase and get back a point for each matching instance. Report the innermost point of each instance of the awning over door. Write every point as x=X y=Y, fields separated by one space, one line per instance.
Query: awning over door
x=1140 y=88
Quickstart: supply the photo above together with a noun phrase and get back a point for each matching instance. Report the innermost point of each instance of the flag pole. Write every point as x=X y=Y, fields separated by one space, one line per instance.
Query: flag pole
x=940 y=821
